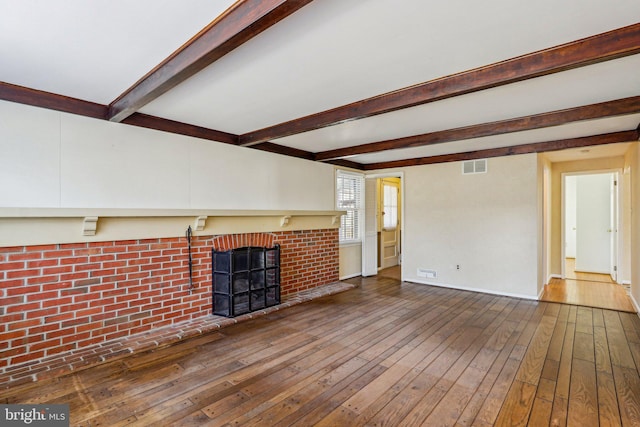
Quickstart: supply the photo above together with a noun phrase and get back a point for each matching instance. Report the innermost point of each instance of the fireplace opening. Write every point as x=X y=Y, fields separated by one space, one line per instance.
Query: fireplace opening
x=245 y=279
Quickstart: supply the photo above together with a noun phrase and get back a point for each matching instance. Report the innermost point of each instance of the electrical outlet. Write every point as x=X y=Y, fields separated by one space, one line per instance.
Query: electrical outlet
x=457 y=266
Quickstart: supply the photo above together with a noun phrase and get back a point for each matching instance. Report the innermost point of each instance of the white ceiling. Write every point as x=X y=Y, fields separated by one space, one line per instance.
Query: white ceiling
x=94 y=50
x=327 y=54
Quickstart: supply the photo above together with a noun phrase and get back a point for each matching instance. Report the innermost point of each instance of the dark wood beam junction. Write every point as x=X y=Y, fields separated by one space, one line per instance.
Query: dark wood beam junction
x=591 y=50
x=287 y=151
x=240 y=23
x=52 y=101
x=537 y=121
x=180 y=128
x=347 y=164
x=302 y=154
x=540 y=147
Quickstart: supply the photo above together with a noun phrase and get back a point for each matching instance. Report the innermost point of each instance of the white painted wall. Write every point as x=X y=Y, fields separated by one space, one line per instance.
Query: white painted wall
x=632 y=168
x=486 y=223
x=350 y=260
x=544 y=174
x=624 y=271
x=53 y=159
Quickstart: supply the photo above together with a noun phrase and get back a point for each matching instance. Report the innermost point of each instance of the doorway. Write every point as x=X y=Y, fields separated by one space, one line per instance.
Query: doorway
x=383 y=231
x=590 y=230
x=590 y=246
x=388 y=201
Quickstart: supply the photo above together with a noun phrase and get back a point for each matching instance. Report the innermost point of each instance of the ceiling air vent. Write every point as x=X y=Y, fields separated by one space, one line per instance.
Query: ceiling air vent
x=474 y=166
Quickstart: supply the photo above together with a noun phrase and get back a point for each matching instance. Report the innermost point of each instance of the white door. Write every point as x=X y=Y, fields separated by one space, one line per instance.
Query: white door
x=389 y=222
x=570 y=216
x=370 y=235
x=593 y=223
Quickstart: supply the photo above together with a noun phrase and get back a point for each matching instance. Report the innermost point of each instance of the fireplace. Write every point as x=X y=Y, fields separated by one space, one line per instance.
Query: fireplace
x=245 y=279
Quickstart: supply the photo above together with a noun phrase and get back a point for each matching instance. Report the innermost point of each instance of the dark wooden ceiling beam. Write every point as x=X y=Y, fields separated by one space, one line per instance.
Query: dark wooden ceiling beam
x=602 y=47
x=166 y=125
x=287 y=151
x=52 y=101
x=540 y=147
x=240 y=23
x=537 y=121
x=347 y=164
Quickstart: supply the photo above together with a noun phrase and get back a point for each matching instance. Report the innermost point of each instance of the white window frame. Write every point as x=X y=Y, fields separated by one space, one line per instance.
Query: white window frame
x=350 y=199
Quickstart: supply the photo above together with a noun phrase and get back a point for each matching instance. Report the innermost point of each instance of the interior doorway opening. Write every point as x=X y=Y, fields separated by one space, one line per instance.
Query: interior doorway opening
x=389 y=225
x=590 y=226
x=383 y=225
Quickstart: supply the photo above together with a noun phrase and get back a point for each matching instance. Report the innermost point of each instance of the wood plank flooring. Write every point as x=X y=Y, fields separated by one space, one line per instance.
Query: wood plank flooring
x=571 y=273
x=384 y=354
x=591 y=294
x=587 y=289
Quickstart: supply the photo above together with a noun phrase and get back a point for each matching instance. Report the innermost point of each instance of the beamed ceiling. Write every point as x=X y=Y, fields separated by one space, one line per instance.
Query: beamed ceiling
x=368 y=84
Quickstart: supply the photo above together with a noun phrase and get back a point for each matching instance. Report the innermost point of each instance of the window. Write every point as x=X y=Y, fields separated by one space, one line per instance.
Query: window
x=390 y=207
x=349 y=189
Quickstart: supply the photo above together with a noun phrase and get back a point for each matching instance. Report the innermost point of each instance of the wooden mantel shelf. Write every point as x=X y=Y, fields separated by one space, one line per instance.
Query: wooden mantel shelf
x=35 y=226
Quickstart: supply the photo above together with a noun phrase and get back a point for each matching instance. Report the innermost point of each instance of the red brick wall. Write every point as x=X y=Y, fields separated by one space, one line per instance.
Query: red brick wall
x=56 y=298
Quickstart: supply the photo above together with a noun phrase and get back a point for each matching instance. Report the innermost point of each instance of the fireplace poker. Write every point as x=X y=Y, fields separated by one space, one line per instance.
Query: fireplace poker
x=189 y=232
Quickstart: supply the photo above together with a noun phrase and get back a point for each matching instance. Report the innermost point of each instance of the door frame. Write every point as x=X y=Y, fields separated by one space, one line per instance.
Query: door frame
x=618 y=243
x=381 y=229
x=375 y=176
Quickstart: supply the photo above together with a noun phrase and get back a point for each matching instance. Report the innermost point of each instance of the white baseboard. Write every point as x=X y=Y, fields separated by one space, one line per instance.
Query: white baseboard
x=462 y=288
x=350 y=276
x=541 y=292
x=553 y=276
x=626 y=282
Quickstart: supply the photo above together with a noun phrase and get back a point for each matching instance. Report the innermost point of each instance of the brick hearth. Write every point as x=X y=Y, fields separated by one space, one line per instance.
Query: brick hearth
x=82 y=358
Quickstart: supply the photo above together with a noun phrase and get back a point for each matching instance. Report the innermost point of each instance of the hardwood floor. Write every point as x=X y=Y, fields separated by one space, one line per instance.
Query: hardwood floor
x=384 y=353
x=571 y=273
x=587 y=289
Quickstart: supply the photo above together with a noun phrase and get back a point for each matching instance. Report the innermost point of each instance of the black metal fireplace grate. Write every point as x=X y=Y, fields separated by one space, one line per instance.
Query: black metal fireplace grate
x=245 y=279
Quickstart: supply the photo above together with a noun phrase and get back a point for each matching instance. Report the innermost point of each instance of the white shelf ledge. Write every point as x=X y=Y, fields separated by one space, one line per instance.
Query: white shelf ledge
x=36 y=226
x=150 y=213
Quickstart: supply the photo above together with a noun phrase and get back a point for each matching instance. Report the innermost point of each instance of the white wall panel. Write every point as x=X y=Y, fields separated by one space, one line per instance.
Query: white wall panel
x=484 y=223
x=228 y=177
x=29 y=156
x=52 y=159
x=107 y=164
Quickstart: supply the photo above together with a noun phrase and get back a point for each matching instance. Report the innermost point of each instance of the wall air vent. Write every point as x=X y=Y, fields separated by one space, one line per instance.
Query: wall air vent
x=430 y=274
x=474 y=166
